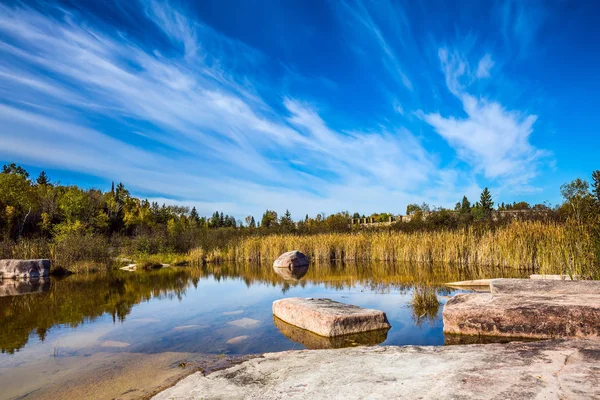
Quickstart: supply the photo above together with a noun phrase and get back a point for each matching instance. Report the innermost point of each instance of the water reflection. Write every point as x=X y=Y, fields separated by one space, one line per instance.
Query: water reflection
x=12 y=287
x=314 y=341
x=292 y=273
x=203 y=295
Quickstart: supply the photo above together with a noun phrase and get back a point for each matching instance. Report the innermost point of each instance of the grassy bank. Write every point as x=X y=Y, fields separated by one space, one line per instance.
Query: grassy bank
x=540 y=246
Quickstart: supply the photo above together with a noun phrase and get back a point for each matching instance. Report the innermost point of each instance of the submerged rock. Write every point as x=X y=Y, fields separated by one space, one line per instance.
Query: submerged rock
x=328 y=318
x=24 y=269
x=291 y=259
x=541 y=370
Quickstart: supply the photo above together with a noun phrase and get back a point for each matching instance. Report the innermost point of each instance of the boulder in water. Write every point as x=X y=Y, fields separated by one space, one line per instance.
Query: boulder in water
x=291 y=259
x=24 y=269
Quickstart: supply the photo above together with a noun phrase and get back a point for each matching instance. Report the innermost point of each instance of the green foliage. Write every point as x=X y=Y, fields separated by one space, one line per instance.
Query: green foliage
x=596 y=186
x=269 y=219
x=485 y=202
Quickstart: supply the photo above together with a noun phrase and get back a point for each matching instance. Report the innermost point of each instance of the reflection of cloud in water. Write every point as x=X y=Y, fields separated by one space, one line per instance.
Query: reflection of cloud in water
x=313 y=341
x=83 y=339
x=236 y=312
x=189 y=327
x=114 y=343
x=145 y=320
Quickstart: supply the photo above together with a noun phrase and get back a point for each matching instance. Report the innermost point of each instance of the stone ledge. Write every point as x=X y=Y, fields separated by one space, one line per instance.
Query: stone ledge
x=545 y=287
x=545 y=370
x=530 y=316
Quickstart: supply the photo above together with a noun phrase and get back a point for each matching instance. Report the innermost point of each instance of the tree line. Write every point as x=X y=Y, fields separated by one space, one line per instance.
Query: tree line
x=45 y=210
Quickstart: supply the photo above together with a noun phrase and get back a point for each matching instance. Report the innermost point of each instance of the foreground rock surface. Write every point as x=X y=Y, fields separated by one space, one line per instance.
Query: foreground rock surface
x=24 y=269
x=529 y=316
x=291 y=259
x=541 y=370
x=329 y=318
x=545 y=287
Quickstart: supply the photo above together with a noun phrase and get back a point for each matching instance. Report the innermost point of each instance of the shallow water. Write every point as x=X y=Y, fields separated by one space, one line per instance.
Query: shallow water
x=90 y=321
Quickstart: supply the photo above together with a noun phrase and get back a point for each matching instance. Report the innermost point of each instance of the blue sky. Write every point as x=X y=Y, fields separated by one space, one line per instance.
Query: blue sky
x=314 y=106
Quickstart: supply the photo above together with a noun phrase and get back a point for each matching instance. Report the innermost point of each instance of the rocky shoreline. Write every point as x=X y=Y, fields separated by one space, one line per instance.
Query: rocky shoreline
x=551 y=369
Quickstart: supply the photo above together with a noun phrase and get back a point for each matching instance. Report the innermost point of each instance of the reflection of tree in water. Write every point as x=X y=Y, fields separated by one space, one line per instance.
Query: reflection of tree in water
x=77 y=299
x=82 y=298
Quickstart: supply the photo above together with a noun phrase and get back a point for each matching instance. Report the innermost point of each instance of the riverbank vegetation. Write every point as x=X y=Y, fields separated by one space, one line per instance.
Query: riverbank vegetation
x=81 y=229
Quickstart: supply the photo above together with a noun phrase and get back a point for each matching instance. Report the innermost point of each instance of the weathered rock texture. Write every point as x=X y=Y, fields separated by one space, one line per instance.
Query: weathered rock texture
x=555 y=277
x=544 y=287
x=329 y=318
x=12 y=287
x=476 y=282
x=313 y=341
x=24 y=269
x=531 y=316
x=291 y=259
x=540 y=370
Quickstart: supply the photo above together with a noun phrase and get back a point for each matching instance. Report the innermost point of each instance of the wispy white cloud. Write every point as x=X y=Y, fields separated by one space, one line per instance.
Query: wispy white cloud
x=191 y=125
x=484 y=66
x=494 y=140
x=360 y=14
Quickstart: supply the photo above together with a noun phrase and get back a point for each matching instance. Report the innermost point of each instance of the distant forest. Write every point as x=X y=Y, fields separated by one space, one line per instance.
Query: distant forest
x=38 y=209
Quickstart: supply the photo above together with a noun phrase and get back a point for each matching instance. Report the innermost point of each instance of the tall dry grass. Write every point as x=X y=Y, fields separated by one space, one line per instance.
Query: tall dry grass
x=544 y=247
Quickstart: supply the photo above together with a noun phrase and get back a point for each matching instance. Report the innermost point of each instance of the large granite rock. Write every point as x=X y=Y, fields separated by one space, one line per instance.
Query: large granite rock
x=328 y=318
x=13 y=287
x=531 y=316
x=24 y=269
x=544 y=287
x=313 y=341
x=539 y=370
x=291 y=259
x=556 y=277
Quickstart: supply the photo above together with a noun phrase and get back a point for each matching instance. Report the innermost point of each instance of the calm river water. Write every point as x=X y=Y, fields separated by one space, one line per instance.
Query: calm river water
x=126 y=334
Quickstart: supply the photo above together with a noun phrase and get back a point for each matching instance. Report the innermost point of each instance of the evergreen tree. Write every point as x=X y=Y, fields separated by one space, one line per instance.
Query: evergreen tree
x=465 y=205
x=252 y=223
x=486 y=203
x=15 y=169
x=596 y=185
x=194 y=215
x=42 y=179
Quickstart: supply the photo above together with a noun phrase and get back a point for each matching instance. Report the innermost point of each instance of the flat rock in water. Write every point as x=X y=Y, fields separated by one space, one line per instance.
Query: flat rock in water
x=24 y=269
x=291 y=259
x=540 y=370
x=328 y=318
x=543 y=287
x=531 y=316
